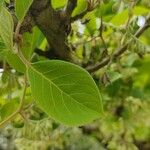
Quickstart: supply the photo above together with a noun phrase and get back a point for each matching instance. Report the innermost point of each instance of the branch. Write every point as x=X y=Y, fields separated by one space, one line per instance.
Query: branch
x=121 y=50
x=37 y=8
x=53 y=25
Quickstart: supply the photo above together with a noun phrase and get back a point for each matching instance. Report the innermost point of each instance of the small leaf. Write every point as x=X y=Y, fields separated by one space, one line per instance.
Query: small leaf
x=12 y=59
x=15 y=62
x=65 y=91
x=91 y=26
x=29 y=42
x=9 y=108
x=58 y=3
x=81 y=6
x=27 y=48
x=113 y=76
x=21 y=8
x=6 y=28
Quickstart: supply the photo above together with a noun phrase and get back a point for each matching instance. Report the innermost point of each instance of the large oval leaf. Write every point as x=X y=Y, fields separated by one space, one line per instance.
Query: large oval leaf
x=65 y=91
x=6 y=28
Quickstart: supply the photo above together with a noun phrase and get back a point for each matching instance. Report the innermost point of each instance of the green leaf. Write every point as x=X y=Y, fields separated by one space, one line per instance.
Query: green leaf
x=29 y=42
x=21 y=8
x=58 y=3
x=15 y=62
x=2 y=45
x=8 y=109
x=65 y=91
x=122 y=17
x=105 y=9
x=7 y=1
x=81 y=6
x=28 y=46
x=12 y=59
x=2 y=49
x=6 y=28
x=1 y=2
x=91 y=26
x=113 y=75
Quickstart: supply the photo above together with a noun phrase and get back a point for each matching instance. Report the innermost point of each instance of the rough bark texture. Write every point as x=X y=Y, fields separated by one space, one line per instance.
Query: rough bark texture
x=54 y=24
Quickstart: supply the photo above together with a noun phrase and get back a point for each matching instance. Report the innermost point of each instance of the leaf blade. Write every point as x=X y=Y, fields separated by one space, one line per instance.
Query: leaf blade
x=74 y=103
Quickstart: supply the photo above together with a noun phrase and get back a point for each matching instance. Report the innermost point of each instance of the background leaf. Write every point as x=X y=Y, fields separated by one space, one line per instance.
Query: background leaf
x=81 y=6
x=6 y=28
x=9 y=108
x=122 y=17
x=28 y=46
x=21 y=8
x=30 y=42
x=58 y=3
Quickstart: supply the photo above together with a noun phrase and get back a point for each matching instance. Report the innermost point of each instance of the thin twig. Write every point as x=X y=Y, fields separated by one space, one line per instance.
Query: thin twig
x=105 y=51
x=121 y=50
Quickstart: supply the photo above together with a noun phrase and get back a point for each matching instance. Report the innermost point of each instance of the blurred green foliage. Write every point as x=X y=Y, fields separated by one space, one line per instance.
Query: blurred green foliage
x=124 y=84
